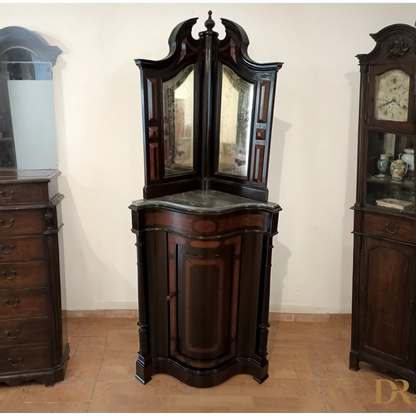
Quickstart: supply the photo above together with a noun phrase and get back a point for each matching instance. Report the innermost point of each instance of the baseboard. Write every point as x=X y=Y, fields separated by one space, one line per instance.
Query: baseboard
x=318 y=310
x=274 y=316
x=104 y=313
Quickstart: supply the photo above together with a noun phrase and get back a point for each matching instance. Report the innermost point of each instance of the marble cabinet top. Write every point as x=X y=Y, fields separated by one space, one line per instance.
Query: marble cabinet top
x=205 y=201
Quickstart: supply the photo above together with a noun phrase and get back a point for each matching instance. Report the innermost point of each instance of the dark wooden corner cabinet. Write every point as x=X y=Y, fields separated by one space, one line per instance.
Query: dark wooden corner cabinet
x=383 y=310
x=204 y=228
x=33 y=334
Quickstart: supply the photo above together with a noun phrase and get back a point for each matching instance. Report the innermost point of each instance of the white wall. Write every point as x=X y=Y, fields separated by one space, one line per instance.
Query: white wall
x=313 y=160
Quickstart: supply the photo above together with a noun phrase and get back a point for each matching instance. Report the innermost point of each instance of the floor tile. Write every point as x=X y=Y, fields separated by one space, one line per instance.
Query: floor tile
x=339 y=399
x=305 y=398
x=65 y=391
x=121 y=353
x=120 y=397
x=122 y=336
x=83 y=369
x=73 y=325
x=54 y=407
x=302 y=348
x=117 y=372
x=11 y=397
x=330 y=367
x=89 y=352
x=90 y=330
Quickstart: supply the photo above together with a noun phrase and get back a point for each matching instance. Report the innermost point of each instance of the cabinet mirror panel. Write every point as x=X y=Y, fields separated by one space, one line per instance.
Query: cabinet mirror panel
x=390 y=172
x=392 y=96
x=235 y=123
x=27 y=116
x=178 y=116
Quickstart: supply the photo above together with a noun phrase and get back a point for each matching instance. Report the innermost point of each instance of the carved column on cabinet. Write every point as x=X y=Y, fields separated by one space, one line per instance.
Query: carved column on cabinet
x=265 y=288
x=52 y=254
x=143 y=319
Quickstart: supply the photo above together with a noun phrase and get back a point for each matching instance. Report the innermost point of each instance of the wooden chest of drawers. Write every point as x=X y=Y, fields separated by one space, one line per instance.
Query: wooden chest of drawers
x=33 y=339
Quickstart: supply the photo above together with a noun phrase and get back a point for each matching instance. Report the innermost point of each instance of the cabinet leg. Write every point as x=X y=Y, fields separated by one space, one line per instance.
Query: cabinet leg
x=354 y=363
x=263 y=379
x=143 y=381
x=412 y=385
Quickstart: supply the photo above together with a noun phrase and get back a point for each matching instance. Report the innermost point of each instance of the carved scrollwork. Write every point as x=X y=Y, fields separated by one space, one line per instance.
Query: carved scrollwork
x=397 y=47
x=48 y=215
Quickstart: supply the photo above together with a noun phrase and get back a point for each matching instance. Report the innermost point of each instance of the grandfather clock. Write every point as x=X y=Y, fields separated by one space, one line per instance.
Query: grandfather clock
x=204 y=228
x=384 y=321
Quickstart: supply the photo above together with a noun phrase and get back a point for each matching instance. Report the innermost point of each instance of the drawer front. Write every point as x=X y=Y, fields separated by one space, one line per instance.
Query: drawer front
x=15 y=359
x=20 y=222
x=28 y=274
x=19 y=194
x=24 y=331
x=389 y=227
x=21 y=248
x=16 y=303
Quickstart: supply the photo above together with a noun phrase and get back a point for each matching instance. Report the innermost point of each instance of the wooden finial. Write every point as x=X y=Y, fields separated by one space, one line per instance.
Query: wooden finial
x=209 y=23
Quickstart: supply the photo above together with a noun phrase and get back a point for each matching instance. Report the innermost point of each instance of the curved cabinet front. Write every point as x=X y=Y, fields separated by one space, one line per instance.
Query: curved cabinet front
x=204 y=283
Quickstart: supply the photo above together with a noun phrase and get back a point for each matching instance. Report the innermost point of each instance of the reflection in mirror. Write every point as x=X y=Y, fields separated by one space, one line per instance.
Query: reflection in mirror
x=236 y=110
x=178 y=115
x=27 y=117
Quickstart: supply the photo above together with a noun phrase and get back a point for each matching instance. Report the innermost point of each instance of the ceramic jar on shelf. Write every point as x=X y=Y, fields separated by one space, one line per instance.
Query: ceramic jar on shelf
x=398 y=169
x=409 y=158
x=383 y=165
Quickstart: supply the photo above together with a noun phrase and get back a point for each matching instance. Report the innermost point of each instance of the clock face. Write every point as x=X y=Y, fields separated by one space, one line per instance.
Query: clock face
x=392 y=96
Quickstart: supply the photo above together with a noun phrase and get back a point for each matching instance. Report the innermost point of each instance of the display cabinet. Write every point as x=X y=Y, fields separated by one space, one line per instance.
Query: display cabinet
x=33 y=331
x=204 y=228
x=383 y=323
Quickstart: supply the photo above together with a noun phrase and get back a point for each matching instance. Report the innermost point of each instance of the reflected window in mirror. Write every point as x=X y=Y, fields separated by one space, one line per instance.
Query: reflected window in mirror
x=235 y=123
x=178 y=116
x=27 y=116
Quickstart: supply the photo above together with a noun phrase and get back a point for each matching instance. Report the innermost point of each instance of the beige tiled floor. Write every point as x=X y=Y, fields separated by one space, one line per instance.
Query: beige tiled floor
x=308 y=373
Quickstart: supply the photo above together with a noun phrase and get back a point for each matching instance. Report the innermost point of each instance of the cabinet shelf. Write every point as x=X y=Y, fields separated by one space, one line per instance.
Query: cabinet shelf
x=391 y=182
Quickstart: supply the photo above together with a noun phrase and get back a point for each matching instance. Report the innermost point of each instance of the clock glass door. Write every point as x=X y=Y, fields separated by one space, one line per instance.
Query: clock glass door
x=392 y=96
x=390 y=172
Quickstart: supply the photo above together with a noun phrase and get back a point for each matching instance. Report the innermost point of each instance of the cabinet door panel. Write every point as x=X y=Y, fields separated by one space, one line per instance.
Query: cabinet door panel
x=387 y=290
x=203 y=311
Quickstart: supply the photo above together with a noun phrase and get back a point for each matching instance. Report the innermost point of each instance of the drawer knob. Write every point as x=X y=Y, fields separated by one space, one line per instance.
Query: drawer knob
x=17 y=332
x=7 y=302
x=390 y=231
x=11 y=276
x=11 y=193
x=9 y=225
x=7 y=251
x=15 y=364
x=170 y=296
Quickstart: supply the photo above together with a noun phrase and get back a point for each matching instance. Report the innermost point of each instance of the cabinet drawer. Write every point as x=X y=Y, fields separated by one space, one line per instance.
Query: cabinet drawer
x=16 y=303
x=21 y=248
x=13 y=359
x=28 y=274
x=388 y=227
x=24 y=331
x=18 y=194
x=20 y=222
